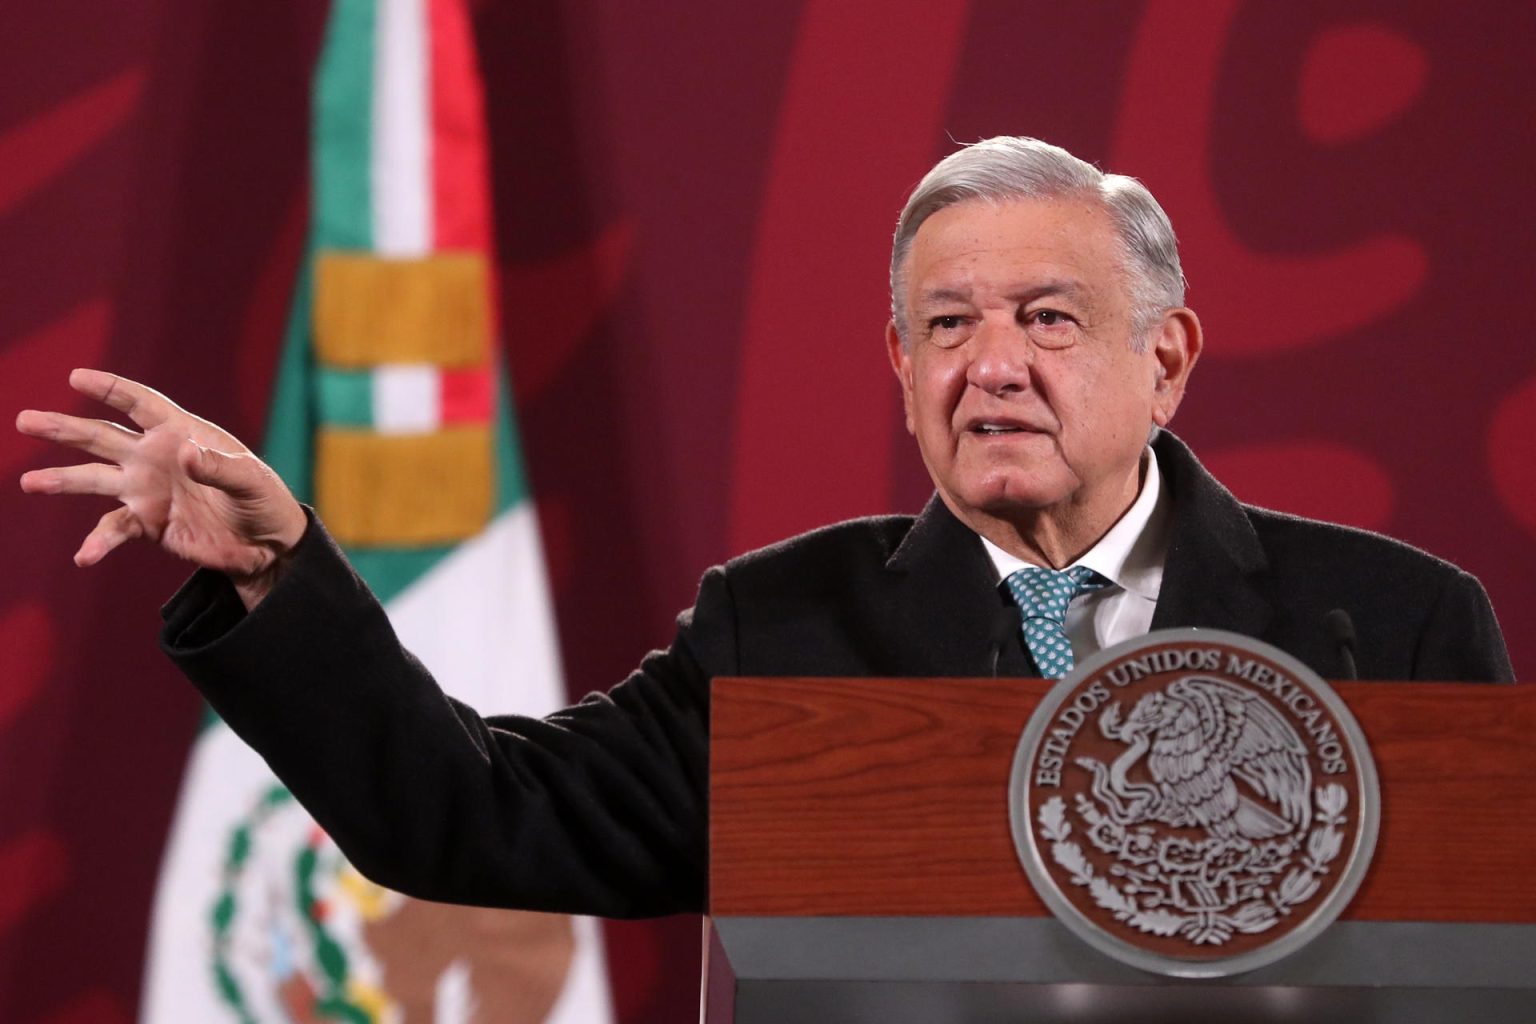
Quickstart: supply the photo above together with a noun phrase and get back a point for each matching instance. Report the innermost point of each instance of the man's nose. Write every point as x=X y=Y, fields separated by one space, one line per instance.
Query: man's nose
x=1002 y=358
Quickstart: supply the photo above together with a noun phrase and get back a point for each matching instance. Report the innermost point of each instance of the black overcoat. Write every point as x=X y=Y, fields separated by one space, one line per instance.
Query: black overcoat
x=601 y=808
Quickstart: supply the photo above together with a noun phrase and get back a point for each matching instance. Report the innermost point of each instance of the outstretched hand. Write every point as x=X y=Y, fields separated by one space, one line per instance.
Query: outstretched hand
x=184 y=483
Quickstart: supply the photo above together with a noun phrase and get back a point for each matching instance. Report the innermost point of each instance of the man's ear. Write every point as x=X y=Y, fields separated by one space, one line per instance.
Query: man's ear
x=1175 y=344
x=901 y=362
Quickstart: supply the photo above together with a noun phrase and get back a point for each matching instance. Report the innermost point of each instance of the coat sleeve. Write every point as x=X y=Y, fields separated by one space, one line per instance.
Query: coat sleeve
x=1461 y=639
x=596 y=809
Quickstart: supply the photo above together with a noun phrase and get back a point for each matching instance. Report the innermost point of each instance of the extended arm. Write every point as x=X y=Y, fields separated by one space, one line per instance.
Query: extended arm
x=598 y=809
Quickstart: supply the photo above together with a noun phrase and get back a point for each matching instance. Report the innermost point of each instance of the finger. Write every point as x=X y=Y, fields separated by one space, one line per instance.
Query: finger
x=247 y=479
x=93 y=478
x=243 y=476
x=145 y=406
x=111 y=530
x=98 y=437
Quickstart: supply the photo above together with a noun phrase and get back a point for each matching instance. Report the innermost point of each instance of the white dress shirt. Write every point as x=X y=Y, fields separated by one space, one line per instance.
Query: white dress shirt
x=1130 y=556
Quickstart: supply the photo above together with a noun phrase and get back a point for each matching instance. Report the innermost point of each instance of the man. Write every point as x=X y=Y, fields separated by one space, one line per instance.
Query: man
x=1040 y=338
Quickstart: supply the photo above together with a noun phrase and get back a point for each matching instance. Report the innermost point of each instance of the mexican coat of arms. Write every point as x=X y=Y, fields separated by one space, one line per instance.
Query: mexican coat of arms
x=1194 y=803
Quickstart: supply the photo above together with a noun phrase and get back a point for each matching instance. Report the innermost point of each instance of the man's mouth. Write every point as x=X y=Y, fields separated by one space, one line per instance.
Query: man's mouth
x=994 y=429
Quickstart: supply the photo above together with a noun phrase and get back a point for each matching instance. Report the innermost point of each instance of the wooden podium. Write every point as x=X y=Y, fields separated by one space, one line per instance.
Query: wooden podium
x=862 y=869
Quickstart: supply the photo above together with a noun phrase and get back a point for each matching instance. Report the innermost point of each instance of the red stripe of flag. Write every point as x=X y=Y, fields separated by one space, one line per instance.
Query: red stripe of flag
x=460 y=165
x=465 y=396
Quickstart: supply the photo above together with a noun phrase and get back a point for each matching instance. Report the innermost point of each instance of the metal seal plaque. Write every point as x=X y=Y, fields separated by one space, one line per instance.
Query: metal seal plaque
x=1194 y=803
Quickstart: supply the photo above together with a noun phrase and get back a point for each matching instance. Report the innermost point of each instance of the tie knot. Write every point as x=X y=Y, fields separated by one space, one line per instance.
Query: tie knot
x=1045 y=593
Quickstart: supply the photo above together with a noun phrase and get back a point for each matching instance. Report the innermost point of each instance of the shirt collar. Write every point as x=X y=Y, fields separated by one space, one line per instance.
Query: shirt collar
x=1131 y=554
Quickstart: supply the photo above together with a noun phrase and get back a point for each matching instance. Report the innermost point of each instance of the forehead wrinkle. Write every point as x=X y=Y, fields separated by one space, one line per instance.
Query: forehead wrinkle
x=937 y=296
x=1021 y=294
x=1063 y=287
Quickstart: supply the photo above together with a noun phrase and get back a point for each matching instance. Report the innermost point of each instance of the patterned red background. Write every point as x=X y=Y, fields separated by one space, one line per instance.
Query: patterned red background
x=694 y=202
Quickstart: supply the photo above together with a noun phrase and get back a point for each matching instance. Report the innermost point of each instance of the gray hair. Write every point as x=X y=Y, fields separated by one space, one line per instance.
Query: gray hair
x=1017 y=167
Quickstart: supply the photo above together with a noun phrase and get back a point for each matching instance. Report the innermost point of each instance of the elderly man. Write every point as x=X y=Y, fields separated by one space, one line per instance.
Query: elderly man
x=1040 y=339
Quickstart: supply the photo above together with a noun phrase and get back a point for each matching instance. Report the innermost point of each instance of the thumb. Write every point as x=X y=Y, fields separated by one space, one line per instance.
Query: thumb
x=240 y=476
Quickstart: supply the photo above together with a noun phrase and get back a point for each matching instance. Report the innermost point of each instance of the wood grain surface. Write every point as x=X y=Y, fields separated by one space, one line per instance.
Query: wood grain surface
x=890 y=797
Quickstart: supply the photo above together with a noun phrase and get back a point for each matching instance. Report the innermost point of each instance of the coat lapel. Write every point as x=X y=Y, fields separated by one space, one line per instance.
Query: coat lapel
x=946 y=601
x=1214 y=556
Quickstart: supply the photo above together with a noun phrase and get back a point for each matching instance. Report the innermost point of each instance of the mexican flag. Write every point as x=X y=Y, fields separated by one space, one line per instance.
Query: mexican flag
x=392 y=415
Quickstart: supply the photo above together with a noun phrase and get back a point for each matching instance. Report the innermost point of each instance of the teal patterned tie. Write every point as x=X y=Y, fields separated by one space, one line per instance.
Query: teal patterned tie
x=1042 y=596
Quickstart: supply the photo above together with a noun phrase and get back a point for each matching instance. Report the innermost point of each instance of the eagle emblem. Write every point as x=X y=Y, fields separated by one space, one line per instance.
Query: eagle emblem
x=1194 y=802
x=1219 y=757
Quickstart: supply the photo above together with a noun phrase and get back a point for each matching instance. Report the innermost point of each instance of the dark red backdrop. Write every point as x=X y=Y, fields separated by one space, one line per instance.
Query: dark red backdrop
x=694 y=206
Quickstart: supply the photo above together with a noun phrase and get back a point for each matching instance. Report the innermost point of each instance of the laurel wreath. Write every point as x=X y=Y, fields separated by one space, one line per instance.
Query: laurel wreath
x=329 y=954
x=1215 y=927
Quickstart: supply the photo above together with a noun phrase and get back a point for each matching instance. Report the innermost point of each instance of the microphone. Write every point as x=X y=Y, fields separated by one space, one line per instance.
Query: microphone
x=1006 y=625
x=1342 y=629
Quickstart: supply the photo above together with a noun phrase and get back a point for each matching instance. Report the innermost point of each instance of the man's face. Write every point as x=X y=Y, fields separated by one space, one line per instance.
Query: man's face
x=1020 y=380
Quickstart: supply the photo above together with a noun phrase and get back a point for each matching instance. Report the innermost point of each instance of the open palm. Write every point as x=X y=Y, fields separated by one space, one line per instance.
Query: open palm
x=183 y=483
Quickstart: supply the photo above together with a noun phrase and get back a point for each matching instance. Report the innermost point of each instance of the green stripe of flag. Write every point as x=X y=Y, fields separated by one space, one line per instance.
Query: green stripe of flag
x=511 y=478
x=289 y=444
x=344 y=397
x=343 y=129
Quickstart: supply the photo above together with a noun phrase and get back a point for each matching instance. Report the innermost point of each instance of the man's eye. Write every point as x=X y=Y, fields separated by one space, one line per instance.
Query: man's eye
x=1049 y=318
x=946 y=323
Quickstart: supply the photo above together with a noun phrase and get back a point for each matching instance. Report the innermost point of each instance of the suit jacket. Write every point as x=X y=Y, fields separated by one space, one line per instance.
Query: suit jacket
x=601 y=808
